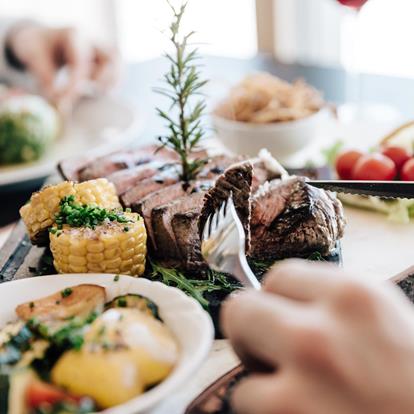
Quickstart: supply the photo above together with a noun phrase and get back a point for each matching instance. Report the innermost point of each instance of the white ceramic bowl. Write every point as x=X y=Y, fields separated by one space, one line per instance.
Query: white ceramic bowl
x=189 y=323
x=282 y=139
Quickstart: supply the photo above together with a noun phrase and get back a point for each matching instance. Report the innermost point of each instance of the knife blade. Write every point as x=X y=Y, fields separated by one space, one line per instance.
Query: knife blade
x=383 y=189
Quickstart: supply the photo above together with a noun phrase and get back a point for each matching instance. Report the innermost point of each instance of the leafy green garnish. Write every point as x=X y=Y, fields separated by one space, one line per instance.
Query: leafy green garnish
x=183 y=82
x=196 y=288
x=122 y=302
x=69 y=336
x=77 y=215
x=66 y=292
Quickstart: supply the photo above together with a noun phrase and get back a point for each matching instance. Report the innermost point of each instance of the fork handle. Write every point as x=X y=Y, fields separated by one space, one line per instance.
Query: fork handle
x=244 y=274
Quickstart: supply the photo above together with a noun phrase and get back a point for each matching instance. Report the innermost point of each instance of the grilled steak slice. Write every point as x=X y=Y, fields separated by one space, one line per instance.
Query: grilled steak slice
x=293 y=219
x=153 y=200
x=217 y=165
x=187 y=238
x=163 y=179
x=236 y=180
x=108 y=164
x=128 y=178
x=161 y=218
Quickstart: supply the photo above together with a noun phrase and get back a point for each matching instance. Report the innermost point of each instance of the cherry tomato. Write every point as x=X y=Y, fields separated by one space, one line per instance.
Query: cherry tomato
x=399 y=155
x=407 y=172
x=345 y=162
x=39 y=393
x=374 y=167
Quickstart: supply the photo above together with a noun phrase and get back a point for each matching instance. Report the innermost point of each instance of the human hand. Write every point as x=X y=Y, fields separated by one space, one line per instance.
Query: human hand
x=331 y=344
x=43 y=51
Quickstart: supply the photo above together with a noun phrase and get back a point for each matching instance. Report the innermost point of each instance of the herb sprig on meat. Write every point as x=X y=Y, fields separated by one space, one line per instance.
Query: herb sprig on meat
x=183 y=82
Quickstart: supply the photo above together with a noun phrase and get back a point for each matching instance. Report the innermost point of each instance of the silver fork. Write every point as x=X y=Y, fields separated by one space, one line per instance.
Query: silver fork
x=223 y=245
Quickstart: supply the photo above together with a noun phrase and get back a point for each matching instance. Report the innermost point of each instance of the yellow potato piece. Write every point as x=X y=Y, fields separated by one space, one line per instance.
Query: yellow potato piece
x=107 y=377
x=125 y=351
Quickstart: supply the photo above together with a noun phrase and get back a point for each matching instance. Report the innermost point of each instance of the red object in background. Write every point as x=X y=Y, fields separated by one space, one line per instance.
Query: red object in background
x=39 y=393
x=407 y=172
x=373 y=167
x=345 y=163
x=399 y=155
x=355 y=4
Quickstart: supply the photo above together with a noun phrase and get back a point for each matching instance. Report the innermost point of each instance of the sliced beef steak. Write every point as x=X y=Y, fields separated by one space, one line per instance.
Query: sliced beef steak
x=162 y=216
x=145 y=206
x=293 y=219
x=236 y=180
x=108 y=164
x=163 y=179
x=218 y=164
x=187 y=238
x=124 y=180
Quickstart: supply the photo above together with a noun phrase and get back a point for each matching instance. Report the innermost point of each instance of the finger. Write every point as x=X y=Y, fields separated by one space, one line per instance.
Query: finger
x=257 y=325
x=304 y=280
x=43 y=69
x=261 y=394
x=106 y=68
x=76 y=56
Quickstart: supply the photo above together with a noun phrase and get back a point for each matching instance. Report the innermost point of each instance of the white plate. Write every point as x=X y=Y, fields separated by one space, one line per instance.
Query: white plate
x=98 y=125
x=189 y=323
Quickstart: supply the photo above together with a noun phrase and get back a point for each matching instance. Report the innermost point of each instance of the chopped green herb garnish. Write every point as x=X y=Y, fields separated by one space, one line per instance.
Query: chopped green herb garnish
x=122 y=303
x=66 y=292
x=77 y=215
x=57 y=302
x=31 y=305
x=116 y=278
x=126 y=229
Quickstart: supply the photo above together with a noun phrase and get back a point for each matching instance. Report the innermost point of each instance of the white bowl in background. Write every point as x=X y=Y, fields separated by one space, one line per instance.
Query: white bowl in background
x=282 y=139
x=189 y=323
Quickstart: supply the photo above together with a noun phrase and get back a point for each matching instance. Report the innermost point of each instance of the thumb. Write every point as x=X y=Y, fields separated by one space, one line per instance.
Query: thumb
x=44 y=70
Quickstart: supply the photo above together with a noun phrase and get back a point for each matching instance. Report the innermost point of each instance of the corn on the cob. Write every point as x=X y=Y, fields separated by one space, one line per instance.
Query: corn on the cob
x=39 y=214
x=111 y=247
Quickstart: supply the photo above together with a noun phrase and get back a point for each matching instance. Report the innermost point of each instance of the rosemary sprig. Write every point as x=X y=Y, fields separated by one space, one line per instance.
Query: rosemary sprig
x=183 y=82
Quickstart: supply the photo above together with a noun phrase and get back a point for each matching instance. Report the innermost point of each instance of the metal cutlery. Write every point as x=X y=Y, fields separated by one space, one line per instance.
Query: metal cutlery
x=383 y=189
x=223 y=245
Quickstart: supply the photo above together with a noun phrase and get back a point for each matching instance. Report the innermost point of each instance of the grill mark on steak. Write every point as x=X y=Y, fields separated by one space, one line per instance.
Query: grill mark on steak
x=291 y=218
x=236 y=180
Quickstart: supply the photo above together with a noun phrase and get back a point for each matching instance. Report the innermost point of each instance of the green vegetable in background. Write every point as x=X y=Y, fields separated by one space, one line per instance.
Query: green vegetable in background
x=28 y=125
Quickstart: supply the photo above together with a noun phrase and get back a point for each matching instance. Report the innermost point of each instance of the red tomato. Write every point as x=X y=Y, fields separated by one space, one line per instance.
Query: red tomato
x=407 y=172
x=399 y=155
x=345 y=162
x=39 y=393
x=374 y=167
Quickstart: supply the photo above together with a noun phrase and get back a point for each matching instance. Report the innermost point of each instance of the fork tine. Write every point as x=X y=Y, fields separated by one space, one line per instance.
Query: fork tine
x=206 y=230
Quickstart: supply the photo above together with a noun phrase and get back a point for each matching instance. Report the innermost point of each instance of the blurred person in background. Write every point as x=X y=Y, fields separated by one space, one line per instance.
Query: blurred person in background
x=320 y=341
x=32 y=56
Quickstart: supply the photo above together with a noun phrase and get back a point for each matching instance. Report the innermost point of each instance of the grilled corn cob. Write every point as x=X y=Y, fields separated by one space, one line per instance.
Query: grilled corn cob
x=39 y=214
x=111 y=247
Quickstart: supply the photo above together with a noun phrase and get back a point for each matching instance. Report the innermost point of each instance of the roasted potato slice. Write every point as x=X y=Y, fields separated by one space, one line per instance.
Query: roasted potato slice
x=125 y=351
x=77 y=301
x=135 y=301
